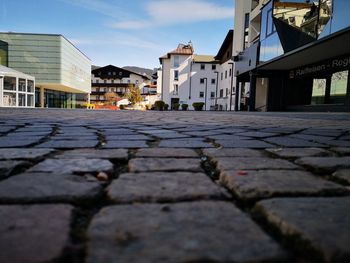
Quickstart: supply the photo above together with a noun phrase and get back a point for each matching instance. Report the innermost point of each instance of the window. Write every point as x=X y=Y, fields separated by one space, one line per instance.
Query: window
x=213 y=67
x=230 y=72
x=30 y=86
x=222 y=75
x=105 y=81
x=176 y=61
x=201 y=94
x=114 y=73
x=9 y=83
x=213 y=81
x=212 y=94
x=221 y=93
x=21 y=99
x=226 y=92
x=120 y=73
x=109 y=73
x=97 y=81
x=202 y=66
x=22 y=85
x=176 y=75
x=246 y=31
x=112 y=80
x=225 y=74
x=137 y=81
x=201 y=81
x=176 y=89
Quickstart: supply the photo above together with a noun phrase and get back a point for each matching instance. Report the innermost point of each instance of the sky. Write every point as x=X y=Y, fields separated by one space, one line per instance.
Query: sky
x=124 y=32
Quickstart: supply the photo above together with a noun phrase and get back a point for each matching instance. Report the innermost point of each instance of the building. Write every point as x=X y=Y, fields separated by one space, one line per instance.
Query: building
x=61 y=71
x=113 y=79
x=292 y=55
x=186 y=78
x=16 y=88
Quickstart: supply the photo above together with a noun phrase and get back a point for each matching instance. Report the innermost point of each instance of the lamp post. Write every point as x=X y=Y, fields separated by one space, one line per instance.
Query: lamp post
x=217 y=87
x=231 y=63
x=205 y=93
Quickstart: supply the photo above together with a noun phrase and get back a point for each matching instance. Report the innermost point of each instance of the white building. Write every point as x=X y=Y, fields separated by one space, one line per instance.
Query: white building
x=62 y=72
x=186 y=78
x=16 y=88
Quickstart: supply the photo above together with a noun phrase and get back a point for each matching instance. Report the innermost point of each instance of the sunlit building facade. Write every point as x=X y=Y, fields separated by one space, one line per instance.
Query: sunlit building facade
x=62 y=72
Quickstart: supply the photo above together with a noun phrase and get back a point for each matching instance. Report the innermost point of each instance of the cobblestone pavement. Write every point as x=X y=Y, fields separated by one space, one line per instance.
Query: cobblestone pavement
x=101 y=186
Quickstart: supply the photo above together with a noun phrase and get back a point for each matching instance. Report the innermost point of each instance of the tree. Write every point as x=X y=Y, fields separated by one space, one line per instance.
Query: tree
x=134 y=95
x=112 y=98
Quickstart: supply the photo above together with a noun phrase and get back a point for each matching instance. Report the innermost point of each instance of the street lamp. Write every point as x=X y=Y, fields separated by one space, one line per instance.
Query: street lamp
x=217 y=87
x=205 y=94
x=231 y=63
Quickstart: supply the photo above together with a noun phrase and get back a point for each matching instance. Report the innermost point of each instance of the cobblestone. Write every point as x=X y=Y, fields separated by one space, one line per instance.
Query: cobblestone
x=253 y=185
x=319 y=223
x=32 y=234
x=173 y=186
x=222 y=234
x=164 y=164
x=162 y=187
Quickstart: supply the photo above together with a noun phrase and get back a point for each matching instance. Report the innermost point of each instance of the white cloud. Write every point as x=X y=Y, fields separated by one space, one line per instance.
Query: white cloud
x=169 y=12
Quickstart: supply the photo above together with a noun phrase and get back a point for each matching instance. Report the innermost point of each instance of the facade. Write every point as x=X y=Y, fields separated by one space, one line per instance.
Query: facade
x=292 y=55
x=16 y=88
x=62 y=72
x=186 y=78
x=113 y=79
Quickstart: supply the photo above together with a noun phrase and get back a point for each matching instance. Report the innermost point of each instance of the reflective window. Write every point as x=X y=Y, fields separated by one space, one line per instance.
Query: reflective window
x=9 y=83
x=176 y=61
x=9 y=99
x=21 y=85
x=21 y=99
x=318 y=91
x=30 y=100
x=30 y=86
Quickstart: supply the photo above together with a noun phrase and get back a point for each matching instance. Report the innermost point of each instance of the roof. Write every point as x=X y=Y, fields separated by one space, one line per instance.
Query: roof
x=11 y=72
x=119 y=69
x=204 y=59
x=181 y=49
x=227 y=42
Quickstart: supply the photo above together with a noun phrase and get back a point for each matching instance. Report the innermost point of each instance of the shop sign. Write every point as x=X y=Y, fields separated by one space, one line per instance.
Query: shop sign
x=329 y=66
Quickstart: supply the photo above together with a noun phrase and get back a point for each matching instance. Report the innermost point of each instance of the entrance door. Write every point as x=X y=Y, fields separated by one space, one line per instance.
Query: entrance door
x=174 y=101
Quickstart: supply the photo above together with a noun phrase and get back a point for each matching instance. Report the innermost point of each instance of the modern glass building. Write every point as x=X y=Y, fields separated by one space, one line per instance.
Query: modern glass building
x=62 y=72
x=16 y=88
x=300 y=57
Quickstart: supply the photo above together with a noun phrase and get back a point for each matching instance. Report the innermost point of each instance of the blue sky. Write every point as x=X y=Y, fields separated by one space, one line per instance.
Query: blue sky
x=124 y=32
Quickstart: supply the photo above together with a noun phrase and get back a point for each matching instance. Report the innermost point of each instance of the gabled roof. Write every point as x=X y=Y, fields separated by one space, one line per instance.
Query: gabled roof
x=181 y=49
x=204 y=59
x=225 y=45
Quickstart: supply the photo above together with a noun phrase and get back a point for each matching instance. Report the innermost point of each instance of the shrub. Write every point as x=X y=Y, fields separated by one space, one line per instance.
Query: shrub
x=159 y=105
x=184 y=106
x=166 y=106
x=198 y=106
x=176 y=106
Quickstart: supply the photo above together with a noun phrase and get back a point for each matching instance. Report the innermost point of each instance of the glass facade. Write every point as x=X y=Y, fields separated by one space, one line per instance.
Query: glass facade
x=3 y=53
x=17 y=92
x=56 y=99
x=289 y=24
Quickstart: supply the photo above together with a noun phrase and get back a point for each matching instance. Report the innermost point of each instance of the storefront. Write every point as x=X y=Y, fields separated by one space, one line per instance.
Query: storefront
x=16 y=88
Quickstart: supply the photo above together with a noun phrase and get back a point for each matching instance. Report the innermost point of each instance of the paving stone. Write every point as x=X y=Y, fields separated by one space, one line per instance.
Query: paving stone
x=251 y=163
x=94 y=154
x=343 y=175
x=255 y=144
x=7 y=167
x=48 y=188
x=204 y=133
x=339 y=143
x=190 y=143
x=312 y=138
x=125 y=144
x=111 y=132
x=281 y=130
x=298 y=152
x=138 y=137
x=166 y=153
x=232 y=152
x=75 y=138
x=292 y=142
x=162 y=187
x=324 y=163
x=257 y=134
x=254 y=185
x=67 y=166
x=319 y=223
x=5 y=129
x=164 y=164
x=323 y=132
x=342 y=150
x=227 y=137
x=6 y=142
x=68 y=144
x=185 y=232
x=27 y=153
x=171 y=135
x=36 y=233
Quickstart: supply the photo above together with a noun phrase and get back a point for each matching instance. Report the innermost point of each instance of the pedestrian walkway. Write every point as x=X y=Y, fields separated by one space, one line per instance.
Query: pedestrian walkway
x=129 y=186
